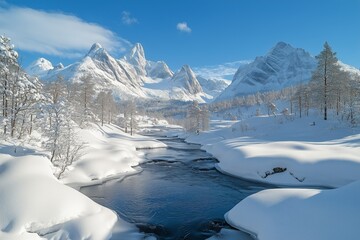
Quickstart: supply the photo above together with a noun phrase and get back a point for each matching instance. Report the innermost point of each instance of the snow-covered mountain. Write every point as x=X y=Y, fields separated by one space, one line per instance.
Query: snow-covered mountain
x=184 y=82
x=128 y=77
x=186 y=78
x=39 y=67
x=136 y=57
x=214 y=79
x=158 y=69
x=282 y=66
x=223 y=71
x=353 y=71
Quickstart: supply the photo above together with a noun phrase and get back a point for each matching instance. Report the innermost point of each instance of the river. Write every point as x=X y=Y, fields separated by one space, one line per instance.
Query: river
x=178 y=194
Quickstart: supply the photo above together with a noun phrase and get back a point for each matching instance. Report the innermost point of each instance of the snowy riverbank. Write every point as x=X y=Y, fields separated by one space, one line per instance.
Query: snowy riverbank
x=36 y=205
x=291 y=152
x=108 y=153
x=286 y=152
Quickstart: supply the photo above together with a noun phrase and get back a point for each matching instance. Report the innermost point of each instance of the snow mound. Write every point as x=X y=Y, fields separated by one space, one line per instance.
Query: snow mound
x=35 y=205
x=299 y=214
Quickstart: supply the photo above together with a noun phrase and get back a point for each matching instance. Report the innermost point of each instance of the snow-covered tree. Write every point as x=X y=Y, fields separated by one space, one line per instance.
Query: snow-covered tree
x=129 y=110
x=20 y=92
x=106 y=106
x=197 y=118
x=61 y=142
x=81 y=96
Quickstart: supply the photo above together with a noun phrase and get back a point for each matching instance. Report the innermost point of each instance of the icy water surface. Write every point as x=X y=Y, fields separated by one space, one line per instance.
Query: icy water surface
x=178 y=195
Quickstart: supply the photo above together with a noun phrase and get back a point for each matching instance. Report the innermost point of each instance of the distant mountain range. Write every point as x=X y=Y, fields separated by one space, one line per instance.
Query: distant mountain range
x=133 y=76
x=129 y=77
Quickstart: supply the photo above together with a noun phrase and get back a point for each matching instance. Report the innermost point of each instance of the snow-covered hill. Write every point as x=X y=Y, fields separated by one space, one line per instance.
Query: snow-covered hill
x=282 y=66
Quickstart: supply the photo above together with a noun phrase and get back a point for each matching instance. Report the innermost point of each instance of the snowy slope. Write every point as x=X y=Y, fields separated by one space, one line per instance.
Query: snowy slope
x=282 y=66
x=353 y=71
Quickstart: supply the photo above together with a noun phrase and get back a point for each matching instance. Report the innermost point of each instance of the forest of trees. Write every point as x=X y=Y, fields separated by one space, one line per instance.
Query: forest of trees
x=56 y=108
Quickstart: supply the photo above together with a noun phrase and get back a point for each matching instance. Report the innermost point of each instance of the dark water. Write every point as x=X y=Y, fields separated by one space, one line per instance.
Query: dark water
x=178 y=195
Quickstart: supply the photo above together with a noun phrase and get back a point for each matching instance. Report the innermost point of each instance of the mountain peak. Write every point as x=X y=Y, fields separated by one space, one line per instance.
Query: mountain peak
x=137 y=52
x=95 y=47
x=282 y=47
x=186 y=68
x=43 y=62
x=98 y=52
x=39 y=67
x=186 y=77
x=283 y=66
x=136 y=57
x=158 y=69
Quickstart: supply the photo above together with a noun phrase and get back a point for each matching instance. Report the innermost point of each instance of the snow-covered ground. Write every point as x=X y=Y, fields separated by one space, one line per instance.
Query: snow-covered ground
x=286 y=151
x=108 y=153
x=36 y=205
x=299 y=214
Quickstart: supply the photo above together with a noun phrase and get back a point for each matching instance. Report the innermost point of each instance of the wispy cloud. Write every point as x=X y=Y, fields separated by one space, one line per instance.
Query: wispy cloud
x=127 y=19
x=55 y=34
x=183 y=27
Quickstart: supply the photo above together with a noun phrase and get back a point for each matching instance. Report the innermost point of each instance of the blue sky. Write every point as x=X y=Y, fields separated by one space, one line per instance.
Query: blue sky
x=195 y=32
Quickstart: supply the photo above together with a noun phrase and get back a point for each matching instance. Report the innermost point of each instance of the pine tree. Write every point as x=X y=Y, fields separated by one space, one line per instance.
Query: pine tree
x=325 y=77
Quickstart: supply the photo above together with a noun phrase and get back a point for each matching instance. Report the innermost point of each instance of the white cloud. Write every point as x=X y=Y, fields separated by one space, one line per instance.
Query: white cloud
x=128 y=19
x=55 y=34
x=183 y=27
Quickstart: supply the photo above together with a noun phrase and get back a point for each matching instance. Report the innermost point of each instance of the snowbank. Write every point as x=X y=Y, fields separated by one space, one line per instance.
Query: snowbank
x=286 y=152
x=35 y=205
x=108 y=153
x=300 y=214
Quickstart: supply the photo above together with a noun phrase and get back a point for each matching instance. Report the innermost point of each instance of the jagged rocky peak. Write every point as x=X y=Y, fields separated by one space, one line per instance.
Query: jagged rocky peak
x=95 y=47
x=43 y=63
x=137 y=52
x=158 y=69
x=39 y=67
x=282 y=46
x=136 y=57
x=59 y=66
x=186 y=77
x=98 y=52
